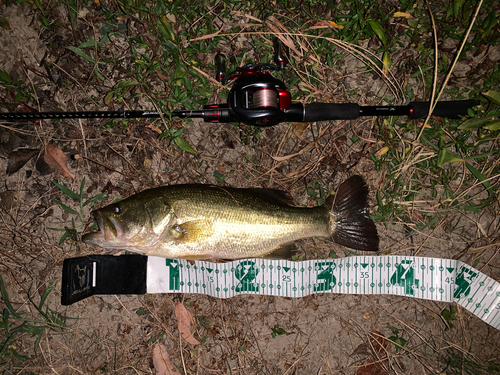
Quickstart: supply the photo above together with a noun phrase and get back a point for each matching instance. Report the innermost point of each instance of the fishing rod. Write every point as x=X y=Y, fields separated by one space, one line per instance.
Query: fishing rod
x=257 y=98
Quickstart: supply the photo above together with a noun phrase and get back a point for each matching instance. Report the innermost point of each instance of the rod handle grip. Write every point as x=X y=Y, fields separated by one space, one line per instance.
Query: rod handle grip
x=450 y=109
x=330 y=111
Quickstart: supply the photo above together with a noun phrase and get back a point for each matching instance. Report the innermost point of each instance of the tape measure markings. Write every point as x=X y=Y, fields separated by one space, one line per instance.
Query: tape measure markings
x=444 y=280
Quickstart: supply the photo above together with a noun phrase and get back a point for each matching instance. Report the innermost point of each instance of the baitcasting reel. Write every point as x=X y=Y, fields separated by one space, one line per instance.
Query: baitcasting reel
x=256 y=98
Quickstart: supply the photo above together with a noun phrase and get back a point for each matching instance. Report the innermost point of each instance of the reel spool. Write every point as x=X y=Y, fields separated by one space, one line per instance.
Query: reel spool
x=265 y=98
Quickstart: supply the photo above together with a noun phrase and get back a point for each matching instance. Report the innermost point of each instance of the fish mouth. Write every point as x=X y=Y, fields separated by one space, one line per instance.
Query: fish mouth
x=110 y=229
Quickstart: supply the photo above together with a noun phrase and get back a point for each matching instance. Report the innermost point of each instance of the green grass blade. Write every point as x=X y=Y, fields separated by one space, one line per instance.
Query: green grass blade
x=67 y=191
x=494 y=125
x=46 y=294
x=473 y=123
x=377 y=29
x=480 y=156
x=88 y=43
x=32 y=330
x=37 y=341
x=63 y=237
x=19 y=356
x=446 y=156
x=5 y=297
x=82 y=54
x=6 y=344
x=66 y=208
x=5 y=319
x=95 y=198
x=480 y=177
x=493 y=96
x=80 y=198
x=57 y=229
x=5 y=77
x=98 y=74
x=39 y=6
x=184 y=145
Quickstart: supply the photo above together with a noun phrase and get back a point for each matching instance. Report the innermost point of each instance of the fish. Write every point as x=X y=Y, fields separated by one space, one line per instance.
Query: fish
x=218 y=223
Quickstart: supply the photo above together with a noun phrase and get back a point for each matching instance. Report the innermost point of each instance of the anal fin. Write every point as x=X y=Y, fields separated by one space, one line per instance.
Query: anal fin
x=285 y=251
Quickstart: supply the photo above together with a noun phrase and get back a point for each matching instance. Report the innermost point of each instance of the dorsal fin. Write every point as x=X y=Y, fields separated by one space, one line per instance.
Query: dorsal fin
x=272 y=195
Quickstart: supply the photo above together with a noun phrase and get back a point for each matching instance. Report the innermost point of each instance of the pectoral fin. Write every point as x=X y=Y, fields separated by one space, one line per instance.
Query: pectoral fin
x=193 y=231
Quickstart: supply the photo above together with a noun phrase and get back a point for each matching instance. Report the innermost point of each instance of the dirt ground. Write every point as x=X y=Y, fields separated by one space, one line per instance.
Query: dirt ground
x=325 y=334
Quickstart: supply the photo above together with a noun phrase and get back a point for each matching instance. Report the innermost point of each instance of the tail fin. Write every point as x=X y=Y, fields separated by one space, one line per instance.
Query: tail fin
x=351 y=225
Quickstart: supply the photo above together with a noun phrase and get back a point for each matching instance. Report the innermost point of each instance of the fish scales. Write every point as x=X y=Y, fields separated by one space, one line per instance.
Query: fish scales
x=244 y=222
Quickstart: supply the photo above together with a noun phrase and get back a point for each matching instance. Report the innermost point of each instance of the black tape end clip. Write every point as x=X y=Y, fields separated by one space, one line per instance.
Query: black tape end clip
x=102 y=274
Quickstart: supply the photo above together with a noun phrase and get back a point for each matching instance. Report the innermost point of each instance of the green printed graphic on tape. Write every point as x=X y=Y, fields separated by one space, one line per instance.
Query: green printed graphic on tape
x=428 y=278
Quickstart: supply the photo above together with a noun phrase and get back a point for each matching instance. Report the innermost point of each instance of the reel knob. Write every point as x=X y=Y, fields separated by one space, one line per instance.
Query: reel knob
x=220 y=68
x=279 y=56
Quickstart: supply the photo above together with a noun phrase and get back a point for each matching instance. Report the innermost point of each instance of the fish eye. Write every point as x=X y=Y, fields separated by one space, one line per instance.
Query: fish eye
x=117 y=209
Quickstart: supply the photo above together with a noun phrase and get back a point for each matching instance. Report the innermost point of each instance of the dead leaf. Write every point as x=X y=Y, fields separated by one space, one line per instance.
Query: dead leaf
x=8 y=199
x=154 y=128
x=382 y=151
x=282 y=33
x=17 y=159
x=161 y=76
x=4 y=23
x=362 y=349
x=161 y=361
x=184 y=321
x=370 y=367
x=43 y=168
x=378 y=343
x=240 y=14
x=417 y=215
x=402 y=14
x=286 y=157
x=57 y=159
x=337 y=26
x=319 y=25
x=209 y=36
x=378 y=346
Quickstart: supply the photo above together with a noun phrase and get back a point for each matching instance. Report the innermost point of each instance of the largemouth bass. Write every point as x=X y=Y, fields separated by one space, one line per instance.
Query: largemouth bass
x=208 y=222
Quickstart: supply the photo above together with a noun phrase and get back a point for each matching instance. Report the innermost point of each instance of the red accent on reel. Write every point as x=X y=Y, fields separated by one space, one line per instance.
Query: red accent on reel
x=285 y=99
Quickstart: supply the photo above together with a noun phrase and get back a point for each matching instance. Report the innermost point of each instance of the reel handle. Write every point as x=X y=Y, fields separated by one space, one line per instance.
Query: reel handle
x=279 y=57
x=220 y=68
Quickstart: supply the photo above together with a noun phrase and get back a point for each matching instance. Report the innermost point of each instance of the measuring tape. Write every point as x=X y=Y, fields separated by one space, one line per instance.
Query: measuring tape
x=434 y=279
